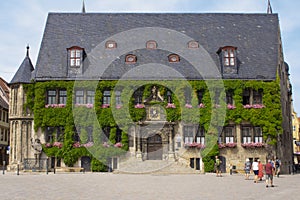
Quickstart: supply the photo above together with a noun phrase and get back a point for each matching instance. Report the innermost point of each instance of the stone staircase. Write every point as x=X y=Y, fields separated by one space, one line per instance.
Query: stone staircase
x=136 y=166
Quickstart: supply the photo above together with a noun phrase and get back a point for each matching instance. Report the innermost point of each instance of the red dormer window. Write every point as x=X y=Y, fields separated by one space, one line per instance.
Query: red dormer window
x=193 y=44
x=228 y=55
x=151 y=44
x=110 y=44
x=129 y=59
x=174 y=58
x=75 y=56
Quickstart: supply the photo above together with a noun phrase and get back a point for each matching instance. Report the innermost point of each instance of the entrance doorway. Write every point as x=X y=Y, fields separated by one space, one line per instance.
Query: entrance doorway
x=154 y=148
x=86 y=163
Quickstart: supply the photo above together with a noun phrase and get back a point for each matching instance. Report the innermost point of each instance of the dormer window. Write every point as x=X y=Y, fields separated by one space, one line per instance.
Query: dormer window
x=110 y=44
x=75 y=56
x=228 y=59
x=193 y=44
x=229 y=55
x=173 y=58
x=129 y=59
x=151 y=44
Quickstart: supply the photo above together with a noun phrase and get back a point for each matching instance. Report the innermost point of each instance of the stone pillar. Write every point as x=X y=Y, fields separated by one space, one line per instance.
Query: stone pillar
x=134 y=138
x=171 y=144
x=26 y=129
x=11 y=141
x=138 y=142
x=238 y=135
x=19 y=142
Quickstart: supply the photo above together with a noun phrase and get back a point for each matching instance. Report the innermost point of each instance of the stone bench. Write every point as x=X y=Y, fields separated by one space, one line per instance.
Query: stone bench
x=69 y=169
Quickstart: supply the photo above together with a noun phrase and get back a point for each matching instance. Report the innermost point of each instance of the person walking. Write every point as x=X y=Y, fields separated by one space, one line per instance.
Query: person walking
x=255 y=170
x=260 y=170
x=218 y=166
x=269 y=173
x=247 y=169
x=277 y=166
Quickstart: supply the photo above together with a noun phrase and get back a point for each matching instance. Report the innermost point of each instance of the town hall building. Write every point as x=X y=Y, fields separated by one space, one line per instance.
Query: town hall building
x=145 y=92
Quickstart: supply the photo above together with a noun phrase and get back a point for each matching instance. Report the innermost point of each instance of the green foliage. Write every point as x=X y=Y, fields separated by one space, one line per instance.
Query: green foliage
x=98 y=165
x=51 y=152
x=269 y=118
x=83 y=136
x=125 y=141
x=208 y=160
x=112 y=135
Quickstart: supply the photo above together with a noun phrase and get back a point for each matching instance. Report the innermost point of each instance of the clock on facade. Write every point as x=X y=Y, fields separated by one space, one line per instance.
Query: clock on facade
x=154 y=113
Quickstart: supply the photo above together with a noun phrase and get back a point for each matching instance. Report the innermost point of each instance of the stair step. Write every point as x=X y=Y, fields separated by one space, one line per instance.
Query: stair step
x=135 y=166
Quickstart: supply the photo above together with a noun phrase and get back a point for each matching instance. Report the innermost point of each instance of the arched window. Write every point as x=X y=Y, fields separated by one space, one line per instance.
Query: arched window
x=193 y=44
x=151 y=44
x=110 y=44
x=174 y=58
x=130 y=59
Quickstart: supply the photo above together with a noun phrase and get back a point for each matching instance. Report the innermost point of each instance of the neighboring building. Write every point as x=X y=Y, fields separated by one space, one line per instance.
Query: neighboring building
x=296 y=137
x=193 y=86
x=4 y=124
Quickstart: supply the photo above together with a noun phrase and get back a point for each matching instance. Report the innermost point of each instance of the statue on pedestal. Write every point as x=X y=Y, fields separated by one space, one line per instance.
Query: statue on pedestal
x=37 y=146
x=155 y=95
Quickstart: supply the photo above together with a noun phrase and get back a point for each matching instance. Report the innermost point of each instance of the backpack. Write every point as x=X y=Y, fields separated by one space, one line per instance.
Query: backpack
x=277 y=163
x=247 y=165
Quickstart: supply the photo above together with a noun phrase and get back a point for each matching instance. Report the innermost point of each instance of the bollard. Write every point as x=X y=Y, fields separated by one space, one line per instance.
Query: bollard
x=54 y=170
x=3 y=167
x=47 y=162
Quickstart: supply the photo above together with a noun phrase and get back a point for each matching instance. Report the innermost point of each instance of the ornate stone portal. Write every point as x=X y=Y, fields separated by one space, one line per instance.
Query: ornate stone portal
x=154 y=138
x=155 y=141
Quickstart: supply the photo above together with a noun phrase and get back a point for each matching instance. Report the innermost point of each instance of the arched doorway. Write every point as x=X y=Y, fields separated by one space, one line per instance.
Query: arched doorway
x=86 y=163
x=154 y=148
x=223 y=164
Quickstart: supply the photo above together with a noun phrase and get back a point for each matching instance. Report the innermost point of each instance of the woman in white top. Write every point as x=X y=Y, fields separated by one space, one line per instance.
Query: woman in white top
x=255 y=170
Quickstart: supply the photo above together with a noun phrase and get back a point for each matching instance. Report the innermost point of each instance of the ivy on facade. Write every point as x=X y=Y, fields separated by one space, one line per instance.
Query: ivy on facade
x=269 y=118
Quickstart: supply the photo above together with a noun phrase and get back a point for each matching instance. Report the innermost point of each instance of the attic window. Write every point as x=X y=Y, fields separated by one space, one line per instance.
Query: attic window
x=173 y=58
x=193 y=44
x=110 y=44
x=228 y=55
x=151 y=44
x=75 y=56
x=130 y=59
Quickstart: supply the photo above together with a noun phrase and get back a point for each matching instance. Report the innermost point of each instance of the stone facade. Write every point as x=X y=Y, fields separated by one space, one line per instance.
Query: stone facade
x=4 y=124
x=154 y=137
x=21 y=131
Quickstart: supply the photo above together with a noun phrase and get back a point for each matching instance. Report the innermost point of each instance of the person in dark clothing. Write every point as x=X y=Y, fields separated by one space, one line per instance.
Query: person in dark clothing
x=277 y=166
x=269 y=173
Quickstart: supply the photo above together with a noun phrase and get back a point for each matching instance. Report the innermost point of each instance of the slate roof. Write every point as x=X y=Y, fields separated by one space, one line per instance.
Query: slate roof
x=256 y=37
x=24 y=73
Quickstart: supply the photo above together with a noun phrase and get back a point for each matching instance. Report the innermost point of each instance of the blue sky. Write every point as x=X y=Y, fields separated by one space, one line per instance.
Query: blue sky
x=23 y=22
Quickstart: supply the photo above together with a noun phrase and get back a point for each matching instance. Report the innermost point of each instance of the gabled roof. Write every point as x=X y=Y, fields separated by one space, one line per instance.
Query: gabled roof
x=256 y=37
x=23 y=75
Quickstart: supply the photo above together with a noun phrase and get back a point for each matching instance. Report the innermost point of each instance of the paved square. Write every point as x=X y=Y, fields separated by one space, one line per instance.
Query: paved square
x=126 y=186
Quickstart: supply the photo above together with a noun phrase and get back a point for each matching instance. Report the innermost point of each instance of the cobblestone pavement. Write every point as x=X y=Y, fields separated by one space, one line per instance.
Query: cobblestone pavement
x=125 y=186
